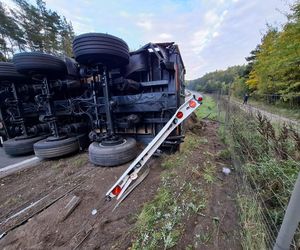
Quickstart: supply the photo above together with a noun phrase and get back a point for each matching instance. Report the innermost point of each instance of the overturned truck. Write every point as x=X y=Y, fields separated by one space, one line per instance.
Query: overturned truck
x=105 y=98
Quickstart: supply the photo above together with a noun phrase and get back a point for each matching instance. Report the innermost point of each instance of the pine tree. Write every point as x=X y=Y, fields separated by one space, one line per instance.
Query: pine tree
x=31 y=22
x=34 y=28
x=11 y=36
x=67 y=35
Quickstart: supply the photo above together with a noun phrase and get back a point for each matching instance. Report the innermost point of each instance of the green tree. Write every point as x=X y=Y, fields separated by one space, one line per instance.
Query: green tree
x=275 y=65
x=67 y=35
x=11 y=36
x=35 y=28
x=29 y=19
x=218 y=80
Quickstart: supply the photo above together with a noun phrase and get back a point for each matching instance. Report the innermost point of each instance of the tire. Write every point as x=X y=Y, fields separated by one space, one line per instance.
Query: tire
x=47 y=149
x=96 y=48
x=72 y=68
x=32 y=63
x=8 y=72
x=109 y=156
x=19 y=146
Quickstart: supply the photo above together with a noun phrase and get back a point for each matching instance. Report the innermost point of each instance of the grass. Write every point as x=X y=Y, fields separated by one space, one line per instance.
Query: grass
x=267 y=174
x=159 y=225
x=191 y=142
x=76 y=161
x=253 y=232
x=207 y=109
x=209 y=173
x=178 y=159
x=12 y=200
x=79 y=160
x=225 y=154
x=57 y=165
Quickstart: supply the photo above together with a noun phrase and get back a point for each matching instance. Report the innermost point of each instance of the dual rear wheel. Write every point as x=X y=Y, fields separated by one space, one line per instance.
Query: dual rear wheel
x=102 y=49
x=89 y=49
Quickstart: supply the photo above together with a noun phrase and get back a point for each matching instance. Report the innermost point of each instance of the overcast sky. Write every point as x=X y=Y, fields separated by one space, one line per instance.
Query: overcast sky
x=211 y=34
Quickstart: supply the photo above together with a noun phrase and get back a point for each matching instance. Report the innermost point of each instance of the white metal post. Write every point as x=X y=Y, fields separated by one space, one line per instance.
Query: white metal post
x=290 y=221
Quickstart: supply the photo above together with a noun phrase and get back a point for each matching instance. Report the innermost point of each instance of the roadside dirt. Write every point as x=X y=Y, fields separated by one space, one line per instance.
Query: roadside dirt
x=46 y=230
x=107 y=229
x=217 y=226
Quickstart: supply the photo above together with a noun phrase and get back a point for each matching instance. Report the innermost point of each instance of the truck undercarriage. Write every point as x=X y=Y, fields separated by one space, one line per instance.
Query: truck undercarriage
x=106 y=95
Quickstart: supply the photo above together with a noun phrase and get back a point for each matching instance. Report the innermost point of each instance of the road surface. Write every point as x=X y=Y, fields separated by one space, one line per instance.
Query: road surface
x=6 y=160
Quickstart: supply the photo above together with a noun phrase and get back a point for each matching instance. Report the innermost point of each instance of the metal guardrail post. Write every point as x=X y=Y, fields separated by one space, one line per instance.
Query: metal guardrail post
x=290 y=221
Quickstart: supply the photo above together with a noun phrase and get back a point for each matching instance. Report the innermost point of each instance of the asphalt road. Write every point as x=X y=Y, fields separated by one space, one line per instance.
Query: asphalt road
x=6 y=160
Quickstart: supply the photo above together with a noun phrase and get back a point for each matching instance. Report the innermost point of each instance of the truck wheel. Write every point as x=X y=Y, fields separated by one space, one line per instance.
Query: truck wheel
x=47 y=148
x=31 y=63
x=95 y=48
x=20 y=146
x=8 y=72
x=109 y=156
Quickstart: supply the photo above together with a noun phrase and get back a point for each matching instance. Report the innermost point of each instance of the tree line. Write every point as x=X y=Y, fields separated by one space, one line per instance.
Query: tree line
x=29 y=27
x=219 y=80
x=273 y=67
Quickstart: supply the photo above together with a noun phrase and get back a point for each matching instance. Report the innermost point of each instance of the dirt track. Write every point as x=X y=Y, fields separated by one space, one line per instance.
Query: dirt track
x=60 y=180
x=271 y=116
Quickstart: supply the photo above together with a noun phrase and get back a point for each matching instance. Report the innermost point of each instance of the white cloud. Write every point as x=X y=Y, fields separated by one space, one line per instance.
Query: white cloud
x=215 y=34
x=199 y=40
x=211 y=17
x=211 y=34
x=165 y=36
x=146 y=24
x=144 y=20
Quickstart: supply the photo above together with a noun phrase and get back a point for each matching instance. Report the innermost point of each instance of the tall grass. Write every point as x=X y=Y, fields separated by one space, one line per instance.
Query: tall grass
x=270 y=165
x=253 y=228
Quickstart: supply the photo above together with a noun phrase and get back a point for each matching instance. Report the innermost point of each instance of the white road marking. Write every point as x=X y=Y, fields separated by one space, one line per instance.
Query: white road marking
x=20 y=165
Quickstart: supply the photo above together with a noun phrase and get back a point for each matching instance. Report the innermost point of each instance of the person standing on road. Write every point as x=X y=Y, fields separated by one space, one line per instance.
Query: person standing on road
x=246 y=97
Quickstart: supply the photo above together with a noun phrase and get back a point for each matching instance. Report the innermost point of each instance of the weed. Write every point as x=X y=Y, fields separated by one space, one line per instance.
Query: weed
x=57 y=165
x=158 y=225
x=191 y=142
x=176 y=160
x=172 y=161
x=78 y=160
x=75 y=161
x=203 y=140
x=189 y=247
x=203 y=238
x=269 y=157
x=12 y=200
x=209 y=173
x=225 y=154
x=196 y=208
x=222 y=135
x=253 y=229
